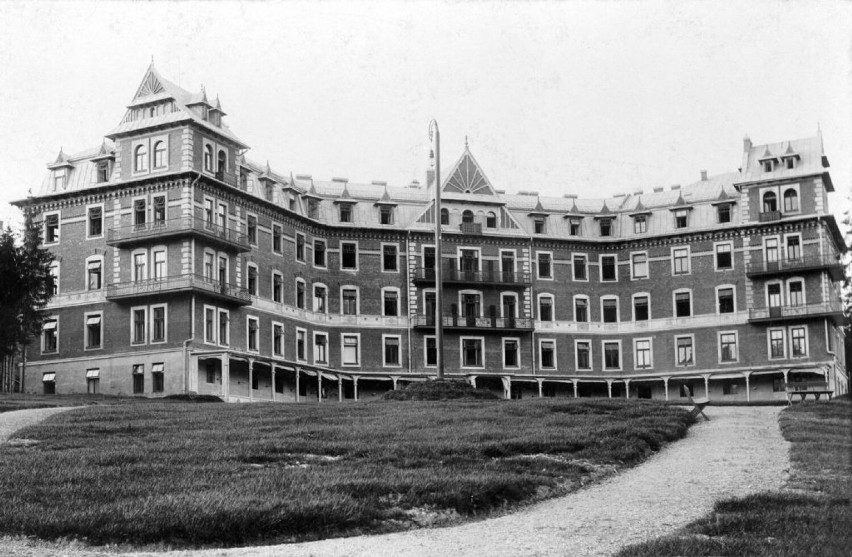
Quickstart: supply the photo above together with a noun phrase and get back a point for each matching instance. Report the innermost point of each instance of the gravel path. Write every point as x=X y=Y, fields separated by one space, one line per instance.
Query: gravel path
x=10 y=422
x=740 y=451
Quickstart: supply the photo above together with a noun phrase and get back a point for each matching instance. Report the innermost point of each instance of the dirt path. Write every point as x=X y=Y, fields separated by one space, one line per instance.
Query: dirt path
x=740 y=451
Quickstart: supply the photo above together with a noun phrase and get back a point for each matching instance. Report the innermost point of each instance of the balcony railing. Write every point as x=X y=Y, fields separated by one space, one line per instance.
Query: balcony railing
x=488 y=323
x=769 y=216
x=136 y=233
x=787 y=313
x=808 y=261
x=474 y=228
x=168 y=285
x=451 y=275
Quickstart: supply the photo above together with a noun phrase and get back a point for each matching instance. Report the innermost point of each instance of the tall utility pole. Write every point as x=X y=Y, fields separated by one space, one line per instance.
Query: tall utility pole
x=435 y=137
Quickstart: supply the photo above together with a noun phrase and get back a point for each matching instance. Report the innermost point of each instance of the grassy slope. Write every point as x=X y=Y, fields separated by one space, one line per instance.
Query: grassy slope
x=813 y=518
x=236 y=474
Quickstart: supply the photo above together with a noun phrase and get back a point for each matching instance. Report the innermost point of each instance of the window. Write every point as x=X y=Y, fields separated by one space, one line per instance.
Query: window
x=768 y=166
x=773 y=295
x=798 y=342
x=724 y=259
x=583 y=354
x=96 y=222
x=606 y=227
x=300 y=247
x=683 y=304
x=251 y=229
x=277 y=339
x=609 y=310
x=391 y=351
x=93 y=381
x=251 y=279
x=48 y=381
x=59 y=180
x=313 y=208
x=208 y=158
x=385 y=214
x=224 y=322
x=138 y=379
x=103 y=172
x=350 y=350
x=796 y=293
x=794 y=248
x=642 y=353
x=159 y=264
x=574 y=225
x=640 y=224
x=321 y=348
x=431 y=352
x=490 y=220
x=770 y=202
x=140 y=214
x=389 y=258
x=140 y=265
x=390 y=303
x=93 y=330
x=49 y=336
x=471 y=352
x=680 y=261
x=157 y=383
x=51 y=228
x=681 y=218
x=210 y=325
x=545 y=307
x=545 y=269
x=723 y=213
x=639 y=265
x=725 y=299
x=160 y=209
x=276 y=239
x=609 y=269
x=471 y=304
x=547 y=354
x=54 y=278
x=728 y=386
x=320 y=299
x=728 y=347
x=277 y=287
x=223 y=269
x=611 y=355
x=160 y=154
x=222 y=215
x=349 y=301
x=319 y=253
x=791 y=201
x=467 y=216
x=139 y=325
x=300 y=293
x=301 y=340
x=641 y=307
x=790 y=162
x=158 y=323
x=684 y=351
x=540 y=225
x=510 y=353
x=94 y=274
x=581 y=309
x=222 y=165
x=776 y=343
x=140 y=158
x=771 y=248
x=579 y=263
x=507 y=265
x=445 y=216
x=208 y=211
x=252 y=326
x=345 y=212
x=348 y=255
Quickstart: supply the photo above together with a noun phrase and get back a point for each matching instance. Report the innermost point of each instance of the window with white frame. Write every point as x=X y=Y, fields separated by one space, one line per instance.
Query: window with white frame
x=545 y=265
x=158 y=263
x=93 y=327
x=320 y=298
x=160 y=160
x=641 y=307
x=796 y=292
x=794 y=247
x=300 y=293
x=509 y=305
x=389 y=258
x=791 y=200
x=680 y=261
x=545 y=307
x=349 y=256
x=321 y=348
x=349 y=300
x=140 y=266
x=511 y=353
x=277 y=287
x=776 y=343
x=209 y=263
x=606 y=227
x=157 y=377
x=390 y=302
x=95 y=228
x=277 y=239
x=471 y=352
x=639 y=265
x=547 y=353
x=54 y=278
x=251 y=278
x=300 y=247
x=224 y=327
x=611 y=355
x=301 y=345
x=277 y=339
x=251 y=229
x=252 y=333
x=724 y=256
x=723 y=213
x=581 y=309
x=392 y=354
x=94 y=272
x=609 y=268
x=430 y=351
x=138 y=379
x=774 y=297
x=350 y=350
x=51 y=228
x=575 y=226
x=319 y=253
x=580 y=264
x=770 y=248
x=684 y=350
x=209 y=324
x=159 y=322
x=640 y=224
x=681 y=217
x=345 y=212
x=140 y=158
x=159 y=208
x=728 y=351
x=609 y=309
x=50 y=335
x=682 y=303
x=643 y=357
x=798 y=342
x=583 y=354
x=386 y=214
x=725 y=299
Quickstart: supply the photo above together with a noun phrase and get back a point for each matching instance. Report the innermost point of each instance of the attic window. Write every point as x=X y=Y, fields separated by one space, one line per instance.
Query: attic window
x=640 y=224
x=491 y=220
x=386 y=215
x=768 y=165
x=790 y=162
x=723 y=211
x=59 y=177
x=103 y=172
x=345 y=212
x=313 y=208
x=681 y=218
x=540 y=225
x=606 y=227
x=575 y=227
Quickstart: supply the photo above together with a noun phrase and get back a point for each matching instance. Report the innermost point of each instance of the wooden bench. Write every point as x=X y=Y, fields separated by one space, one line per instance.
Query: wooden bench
x=698 y=405
x=805 y=388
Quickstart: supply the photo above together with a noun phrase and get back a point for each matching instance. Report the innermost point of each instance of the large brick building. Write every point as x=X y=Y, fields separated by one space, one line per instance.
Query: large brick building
x=183 y=266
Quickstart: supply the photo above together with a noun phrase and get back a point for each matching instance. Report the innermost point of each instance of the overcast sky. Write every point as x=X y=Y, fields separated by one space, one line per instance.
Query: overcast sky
x=592 y=98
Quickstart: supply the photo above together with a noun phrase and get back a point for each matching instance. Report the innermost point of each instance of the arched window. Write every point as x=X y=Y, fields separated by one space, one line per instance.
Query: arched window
x=159 y=154
x=467 y=216
x=223 y=158
x=151 y=112
x=140 y=158
x=208 y=158
x=490 y=220
x=791 y=200
x=445 y=216
x=770 y=202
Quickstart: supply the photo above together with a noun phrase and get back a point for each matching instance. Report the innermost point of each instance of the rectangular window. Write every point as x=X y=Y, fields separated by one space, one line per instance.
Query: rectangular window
x=300 y=247
x=471 y=352
x=277 y=288
x=345 y=212
x=510 y=353
x=612 y=355
x=251 y=229
x=321 y=348
x=93 y=331
x=224 y=319
x=93 y=381
x=300 y=294
x=96 y=222
x=320 y=299
x=545 y=308
x=157 y=373
x=642 y=348
x=728 y=386
x=301 y=339
x=349 y=302
x=640 y=224
x=726 y=300
x=51 y=229
x=683 y=304
x=210 y=325
x=680 y=261
x=348 y=255
x=277 y=339
x=540 y=226
x=139 y=325
x=544 y=267
x=159 y=265
x=548 y=354
x=251 y=279
x=797 y=293
x=606 y=227
x=138 y=379
x=580 y=270
x=140 y=214
x=798 y=342
x=103 y=172
x=391 y=303
x=639 y=265
x=609 y=271
x=54 y=278
x=723 y=213
x=584 y=354
x=350 y=350
x=794 y=248
x=386 y=215
x=160 y=209
x=609 y=310
x=158 y=323
x=49 y=336
x=208 y=265
x=313 y=208
x=392 y=355
x=389 y=258
x=319 y=253
x=277 y=233
x=640 y=308
x=574 y=227
x=252 y=326
x=771 y=247
x=581 y=310
x=773 y=294
x=728 y=347
x=724 y=259
x=140 y=265
x=681 y=218
x=94 y=272
x=776 y=343
x=684 y=349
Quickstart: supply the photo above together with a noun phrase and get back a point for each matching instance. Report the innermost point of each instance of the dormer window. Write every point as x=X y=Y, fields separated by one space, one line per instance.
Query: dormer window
x=640 y=224
x=386 y=215
x=575 y=227
x=540 y=224
x=103 y=172
x=313 y=208
x=445 y=216
x=723 y=212
x=292 y=203
x=768 y=165
x=345 y=212
x=59 y=177
x=606 y=227
x=790 y=162
x=681 y=218
x=491 y=220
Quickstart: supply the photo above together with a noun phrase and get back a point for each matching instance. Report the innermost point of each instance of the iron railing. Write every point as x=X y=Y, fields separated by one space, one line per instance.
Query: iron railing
x=176 y=226
x=464 y=322
x=166 y=285
x=449 y=275
x=793 y=312
x=804 y=262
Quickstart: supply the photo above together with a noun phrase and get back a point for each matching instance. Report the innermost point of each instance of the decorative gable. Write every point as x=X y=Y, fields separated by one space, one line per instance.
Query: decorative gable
x=150 y=85
x=467 y=177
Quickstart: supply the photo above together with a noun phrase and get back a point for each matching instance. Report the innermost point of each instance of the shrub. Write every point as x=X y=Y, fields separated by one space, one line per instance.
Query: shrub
x=194 y=397
x=439 y=390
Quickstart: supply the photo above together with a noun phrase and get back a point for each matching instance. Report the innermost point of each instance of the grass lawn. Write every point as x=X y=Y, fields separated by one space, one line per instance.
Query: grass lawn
x=814 y=517
x=227 y=474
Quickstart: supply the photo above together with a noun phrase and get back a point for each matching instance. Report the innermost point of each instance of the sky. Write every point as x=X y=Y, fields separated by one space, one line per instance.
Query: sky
x=589 y=98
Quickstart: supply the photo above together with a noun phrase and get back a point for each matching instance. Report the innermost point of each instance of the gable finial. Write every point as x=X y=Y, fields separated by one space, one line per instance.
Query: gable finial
x=465 y=142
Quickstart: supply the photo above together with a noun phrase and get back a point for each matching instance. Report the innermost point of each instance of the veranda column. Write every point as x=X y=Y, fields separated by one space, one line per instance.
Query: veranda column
x=472 y=380
x=540 y=390
x=707 y=386
x=748 y=390
x=339 y=388
x=609 y=387
x=251 y=379
x=225 y=364
x=319 y=386
x=395 y=379
x=666 y=386
x=575 y=388
x=507 y=387
x=355 y=386
x=297 y=384
x=627 y=388
x=272 y=371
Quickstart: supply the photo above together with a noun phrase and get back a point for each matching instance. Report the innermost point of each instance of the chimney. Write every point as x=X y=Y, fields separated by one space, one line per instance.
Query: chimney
x=746 y=143
x=703 y=175
x=675 y=187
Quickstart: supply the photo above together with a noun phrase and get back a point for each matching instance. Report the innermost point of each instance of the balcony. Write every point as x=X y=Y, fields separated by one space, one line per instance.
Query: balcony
x=769 y=216
x=791 y=313
x=181 y=226
x=471 y=228
x=460 y=322
x=489 y=277
x=807 y=262
x=184 y=283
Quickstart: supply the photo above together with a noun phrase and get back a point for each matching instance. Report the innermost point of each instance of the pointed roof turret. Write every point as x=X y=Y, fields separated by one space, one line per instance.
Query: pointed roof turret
x=61 y=161
x=539 y=209
x=573 y=212
x=605 y=213
x=267 y=175
x=105 y=152
x=639 y=209
x=385 y=199
x=767 y=155
x=680 y=203
x=345 y=196
x=724 y=198
x=312 y=192
x=217 y=106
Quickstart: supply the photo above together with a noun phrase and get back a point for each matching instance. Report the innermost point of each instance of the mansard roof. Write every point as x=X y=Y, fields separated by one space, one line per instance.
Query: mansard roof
x=811 y=160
